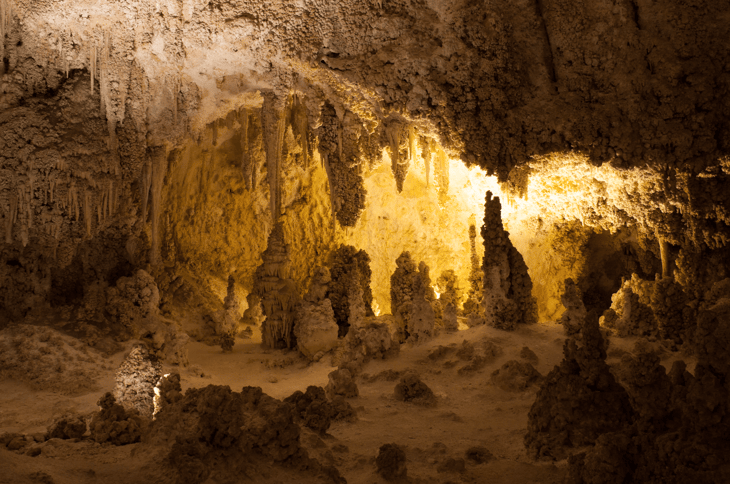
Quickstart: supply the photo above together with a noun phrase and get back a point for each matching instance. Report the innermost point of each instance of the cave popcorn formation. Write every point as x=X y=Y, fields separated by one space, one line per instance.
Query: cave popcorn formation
x=364 y=240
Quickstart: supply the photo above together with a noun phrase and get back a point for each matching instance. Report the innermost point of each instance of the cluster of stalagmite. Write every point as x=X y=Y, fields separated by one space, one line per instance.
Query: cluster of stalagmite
x=508 y=298
x=278 y=294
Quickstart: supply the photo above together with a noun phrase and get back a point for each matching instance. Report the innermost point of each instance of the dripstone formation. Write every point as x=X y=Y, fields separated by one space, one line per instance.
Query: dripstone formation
x=508 y=299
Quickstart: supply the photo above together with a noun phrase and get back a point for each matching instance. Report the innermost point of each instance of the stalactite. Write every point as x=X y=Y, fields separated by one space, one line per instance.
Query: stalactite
x=664 y=252
x=412 y=145
x=273 y=118
x=328 y=170
x=394 y=132
x=145 y=185
x=159 y=168
x=87 y=212
x=300 y=125
x=6 y=17
x=10 y=218
x=441 y=172
x=247 y=168
x=92 y=66
x=425 y=146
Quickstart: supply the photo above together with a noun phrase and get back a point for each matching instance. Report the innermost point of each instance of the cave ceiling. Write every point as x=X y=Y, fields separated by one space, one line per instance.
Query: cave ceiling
x=632 y=82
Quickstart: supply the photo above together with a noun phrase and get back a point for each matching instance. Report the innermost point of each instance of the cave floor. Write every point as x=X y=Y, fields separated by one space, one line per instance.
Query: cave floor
x=470 y=411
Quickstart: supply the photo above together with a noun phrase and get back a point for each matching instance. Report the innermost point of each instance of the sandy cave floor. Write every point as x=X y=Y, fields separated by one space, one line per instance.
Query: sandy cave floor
x=470 y=411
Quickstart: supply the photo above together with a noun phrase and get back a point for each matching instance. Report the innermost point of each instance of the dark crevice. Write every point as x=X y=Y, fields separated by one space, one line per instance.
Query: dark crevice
x=548 y=48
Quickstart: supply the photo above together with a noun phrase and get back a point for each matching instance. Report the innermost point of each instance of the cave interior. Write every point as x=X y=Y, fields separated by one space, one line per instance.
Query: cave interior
x=418 y=241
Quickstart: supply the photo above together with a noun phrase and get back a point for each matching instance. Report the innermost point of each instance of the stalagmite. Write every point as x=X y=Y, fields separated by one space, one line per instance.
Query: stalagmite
x=273 y=117
x=508 y=299
x=278 y=294
x=409 y=288
x=472 y=305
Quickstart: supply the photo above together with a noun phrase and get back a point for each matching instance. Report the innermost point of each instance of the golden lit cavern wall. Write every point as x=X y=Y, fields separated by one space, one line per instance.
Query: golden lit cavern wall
x=217 y=205
x=430 y=220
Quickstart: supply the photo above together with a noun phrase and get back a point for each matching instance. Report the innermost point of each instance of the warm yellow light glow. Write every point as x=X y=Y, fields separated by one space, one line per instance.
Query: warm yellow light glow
x=432 y=226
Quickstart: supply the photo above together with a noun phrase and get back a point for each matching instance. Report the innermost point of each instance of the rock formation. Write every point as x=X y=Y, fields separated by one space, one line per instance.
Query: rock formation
x=136 y=379
x=133 y=301
x=220 y=423
x=151 y=149
x=579 y=400
x=116 y=424
x=346 y=261
x=343 y=168
x=315 y=326
x=473 y=309
x=227 y=324
x=411 y=389
x=410 y=292
x=391 y=462
x=575 y=312
x=508 y=299
x=278 y=294
x=449 y=298
x=628 y=315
